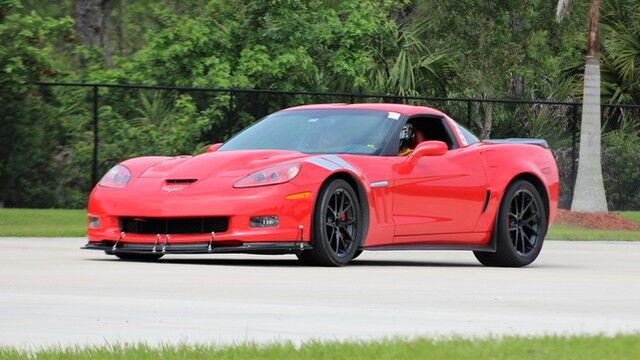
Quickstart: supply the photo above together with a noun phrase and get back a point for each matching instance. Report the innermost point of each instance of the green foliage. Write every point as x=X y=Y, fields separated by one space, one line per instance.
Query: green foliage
x=510 y=49
x=25 y=120
x=500 y=45
x=620 y=55
x=621 y=51
x=288 y=45
x=621 y=168
x=261 y=44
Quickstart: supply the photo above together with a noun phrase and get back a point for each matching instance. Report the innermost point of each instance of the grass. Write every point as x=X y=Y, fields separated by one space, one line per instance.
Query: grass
x=566 y=232
x=61 y=222
x=631 y=215
x=549 y=347
x=43 y=222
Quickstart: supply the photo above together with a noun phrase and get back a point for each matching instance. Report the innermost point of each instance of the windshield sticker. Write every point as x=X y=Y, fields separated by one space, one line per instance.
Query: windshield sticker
x=394 y=115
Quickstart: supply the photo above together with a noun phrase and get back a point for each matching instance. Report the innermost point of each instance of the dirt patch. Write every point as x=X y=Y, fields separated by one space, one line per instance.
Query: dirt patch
x=606 y=221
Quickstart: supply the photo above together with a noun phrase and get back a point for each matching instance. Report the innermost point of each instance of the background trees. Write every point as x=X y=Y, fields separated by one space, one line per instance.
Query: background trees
x=443 y=48
x=28 y=43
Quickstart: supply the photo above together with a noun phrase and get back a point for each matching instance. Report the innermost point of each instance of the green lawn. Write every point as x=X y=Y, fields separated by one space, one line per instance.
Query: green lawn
x=60 y=222
x=631 y=215
x=565 y=232
x=43 y=222
x=551 y=347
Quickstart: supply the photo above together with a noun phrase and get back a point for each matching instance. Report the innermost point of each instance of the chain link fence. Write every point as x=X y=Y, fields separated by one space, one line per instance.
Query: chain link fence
x=106 y=123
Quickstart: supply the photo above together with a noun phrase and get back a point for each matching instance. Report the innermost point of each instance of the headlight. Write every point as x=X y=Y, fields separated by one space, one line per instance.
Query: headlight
x=117 y=177
x=270 y=176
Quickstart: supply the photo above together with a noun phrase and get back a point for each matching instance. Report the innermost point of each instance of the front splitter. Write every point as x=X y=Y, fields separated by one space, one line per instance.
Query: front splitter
x=113 y=247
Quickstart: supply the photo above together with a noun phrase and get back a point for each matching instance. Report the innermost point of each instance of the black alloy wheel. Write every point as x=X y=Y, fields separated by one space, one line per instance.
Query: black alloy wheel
x=520 y=227
x=523 y=222
x=339 y=222
x=337 y=229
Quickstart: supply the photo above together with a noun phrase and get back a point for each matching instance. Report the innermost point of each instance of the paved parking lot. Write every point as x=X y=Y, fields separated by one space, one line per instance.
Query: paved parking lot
x=51 y=292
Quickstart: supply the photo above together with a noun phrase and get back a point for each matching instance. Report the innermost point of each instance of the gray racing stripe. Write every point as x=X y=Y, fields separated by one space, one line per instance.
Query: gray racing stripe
x=323 y=163
x=338 y=160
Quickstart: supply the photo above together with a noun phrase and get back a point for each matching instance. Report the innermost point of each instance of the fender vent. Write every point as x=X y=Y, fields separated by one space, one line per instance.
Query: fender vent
x=486 y=201
x=201 y=225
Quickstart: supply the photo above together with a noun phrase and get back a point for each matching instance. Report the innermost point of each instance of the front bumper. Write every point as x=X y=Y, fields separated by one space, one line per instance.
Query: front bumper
x=238 y=205
x=113 y=248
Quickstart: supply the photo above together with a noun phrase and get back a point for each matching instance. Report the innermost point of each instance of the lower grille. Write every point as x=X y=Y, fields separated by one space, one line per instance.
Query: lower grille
x=201 y=225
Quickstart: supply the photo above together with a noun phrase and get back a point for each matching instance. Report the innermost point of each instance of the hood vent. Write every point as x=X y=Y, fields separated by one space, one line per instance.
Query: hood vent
x=181 y=181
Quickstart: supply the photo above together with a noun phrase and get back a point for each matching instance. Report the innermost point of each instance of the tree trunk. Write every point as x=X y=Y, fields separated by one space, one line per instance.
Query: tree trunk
x=119 y=26
x=90 y=17
x=593 y=37
x=487 y=124
x=589 y=195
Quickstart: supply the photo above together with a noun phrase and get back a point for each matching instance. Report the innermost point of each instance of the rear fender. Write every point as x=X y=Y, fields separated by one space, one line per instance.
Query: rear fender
x=504 y=164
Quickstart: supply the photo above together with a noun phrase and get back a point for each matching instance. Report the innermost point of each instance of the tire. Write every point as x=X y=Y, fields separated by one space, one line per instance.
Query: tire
x=337 y=229
x=358 y=253
x=138 y=257
x=520 y=228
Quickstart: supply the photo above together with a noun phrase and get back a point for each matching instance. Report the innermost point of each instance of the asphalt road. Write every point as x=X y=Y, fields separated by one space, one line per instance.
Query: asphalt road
x=53 y=293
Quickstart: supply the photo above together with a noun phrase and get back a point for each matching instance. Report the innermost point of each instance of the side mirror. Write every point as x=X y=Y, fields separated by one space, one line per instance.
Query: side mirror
x=214 y=147
x=426 y=148
x=430 y=148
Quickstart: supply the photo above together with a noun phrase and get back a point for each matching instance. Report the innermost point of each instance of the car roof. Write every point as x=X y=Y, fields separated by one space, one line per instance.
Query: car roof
x=403 y=109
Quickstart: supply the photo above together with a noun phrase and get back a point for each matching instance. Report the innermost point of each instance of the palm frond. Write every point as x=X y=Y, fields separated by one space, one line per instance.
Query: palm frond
x=153 y=111
x=621 y=54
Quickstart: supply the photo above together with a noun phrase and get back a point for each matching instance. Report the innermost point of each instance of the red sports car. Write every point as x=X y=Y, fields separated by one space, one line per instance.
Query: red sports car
x=326 y=182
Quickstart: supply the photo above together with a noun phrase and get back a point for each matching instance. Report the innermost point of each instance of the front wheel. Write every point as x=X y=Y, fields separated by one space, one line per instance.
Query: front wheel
x=337 y=229
x=520 y=228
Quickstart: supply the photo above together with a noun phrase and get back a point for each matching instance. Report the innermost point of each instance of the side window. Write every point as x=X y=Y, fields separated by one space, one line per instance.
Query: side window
x=420 y=129
x=468 y=136
x=471 y=139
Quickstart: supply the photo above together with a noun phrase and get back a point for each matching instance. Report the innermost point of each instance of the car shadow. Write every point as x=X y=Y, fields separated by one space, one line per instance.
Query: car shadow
x=296 y=263
x=410 y=263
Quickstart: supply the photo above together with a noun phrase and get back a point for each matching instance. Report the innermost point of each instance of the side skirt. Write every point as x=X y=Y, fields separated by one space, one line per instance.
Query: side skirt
x=488 y=248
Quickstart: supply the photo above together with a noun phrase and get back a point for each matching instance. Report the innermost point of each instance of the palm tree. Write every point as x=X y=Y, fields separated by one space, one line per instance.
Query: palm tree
x=588 y=194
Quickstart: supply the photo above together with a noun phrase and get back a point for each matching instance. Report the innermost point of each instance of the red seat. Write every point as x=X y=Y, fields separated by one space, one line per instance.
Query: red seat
x=418 y=137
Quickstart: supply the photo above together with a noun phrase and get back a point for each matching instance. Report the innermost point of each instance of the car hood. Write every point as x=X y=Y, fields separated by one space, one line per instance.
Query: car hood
x=220 y=164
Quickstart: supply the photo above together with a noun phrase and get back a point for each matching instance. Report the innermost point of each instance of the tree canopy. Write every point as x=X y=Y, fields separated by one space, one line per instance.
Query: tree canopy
x=447 y=48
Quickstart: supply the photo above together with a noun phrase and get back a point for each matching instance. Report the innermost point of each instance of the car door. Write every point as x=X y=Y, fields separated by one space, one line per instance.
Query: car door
x=439 y=195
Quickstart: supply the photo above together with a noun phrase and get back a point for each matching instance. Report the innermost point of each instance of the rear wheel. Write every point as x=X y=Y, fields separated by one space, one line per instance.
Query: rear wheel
x=520 y=228
x=138 y=257
x=336 y=233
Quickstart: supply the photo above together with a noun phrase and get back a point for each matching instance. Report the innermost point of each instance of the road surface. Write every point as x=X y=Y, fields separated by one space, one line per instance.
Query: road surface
x=53 y=293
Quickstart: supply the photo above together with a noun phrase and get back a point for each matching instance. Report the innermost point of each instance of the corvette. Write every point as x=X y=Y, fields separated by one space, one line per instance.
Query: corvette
x=325 y=182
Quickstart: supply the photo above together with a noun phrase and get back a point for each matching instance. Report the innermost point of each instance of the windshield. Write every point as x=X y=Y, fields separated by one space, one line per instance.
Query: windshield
x=317 y=131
